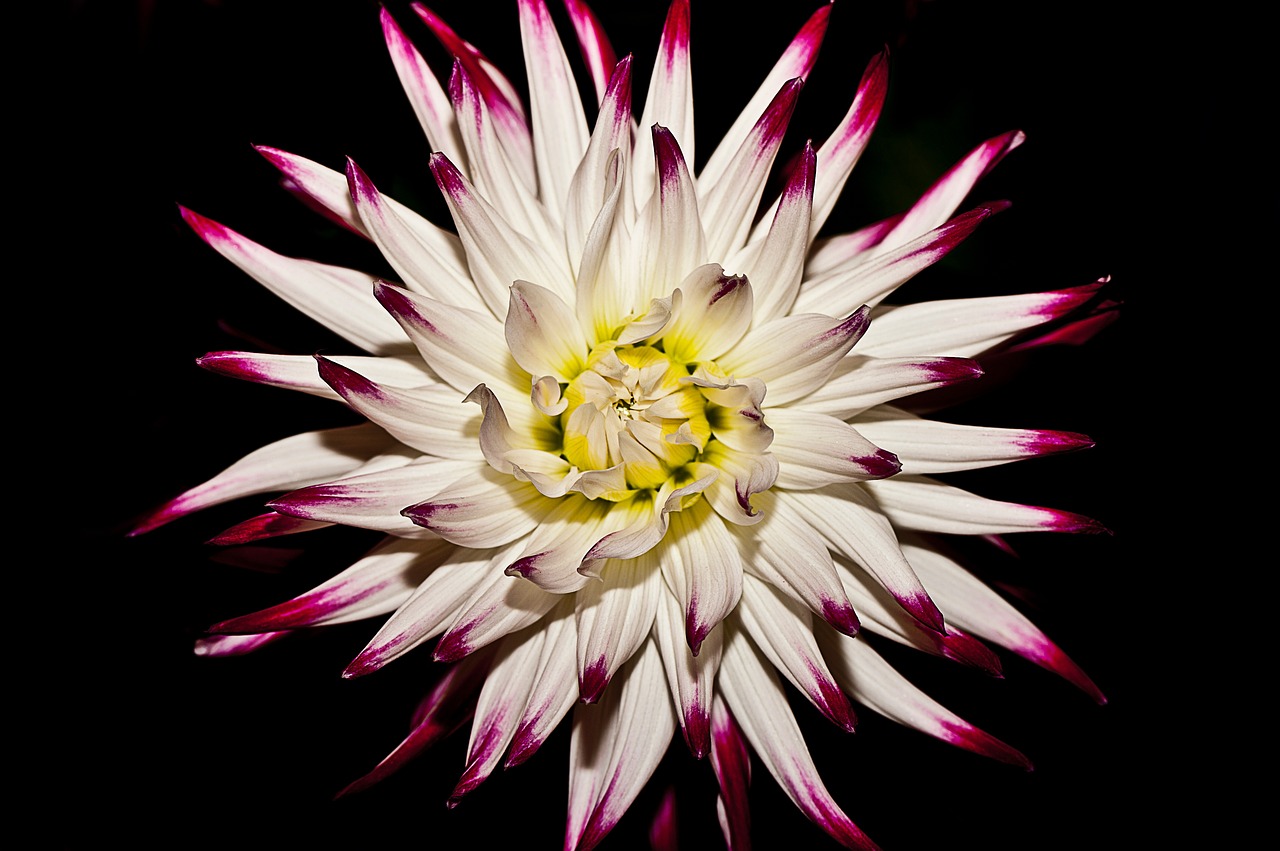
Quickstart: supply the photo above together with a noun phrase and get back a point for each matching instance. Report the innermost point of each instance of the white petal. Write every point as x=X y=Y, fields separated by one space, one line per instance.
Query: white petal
x=615 y=747
x=555 y=683
x=690 y=677
x=486 y=509
x=859 y=382
x=555 y=555
x=426 y=96
x=500 y=606
x=715 y=311
x=669 y=236
x=614 y=618
x=543 y=334
x=928 y=505
x=702 y=568
x=815 y=450
x=669 y=99
x=794 y=355
x=299 y=372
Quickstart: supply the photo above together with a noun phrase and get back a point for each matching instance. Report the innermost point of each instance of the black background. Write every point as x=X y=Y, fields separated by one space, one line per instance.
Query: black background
x=158 y=747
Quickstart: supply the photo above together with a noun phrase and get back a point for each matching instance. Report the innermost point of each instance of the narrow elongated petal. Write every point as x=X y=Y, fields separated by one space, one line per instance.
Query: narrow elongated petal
x=270 y=524
x=795 y=63
x=285 y=464
x=497 y=254
x=336 y=297
x=441 y=712
x=966 y=327
x=931 y=447
x=794 y=355
x=883 y=616
x=668 y=101
x=614 y=617
x=597 y=52
x=850 y=523
x=670 y=238
x=375 y=500
x=555 y=556
x=399 y=234
x=492 y=172
x=430 y=419
x=860 y=382
x=874 y=683
x=431 y=608
x=703 y=569
x=869 y=282
x=731 y=761
x=430 y=103
x=690 y=676
x=299 y=372
x=783 y=631
x=615 y=747
x=376 y=584
x=786 y=552
x=555 y=684
x=729 y=206
x=753 y=694
x=928 y=505
x=778 y=263
x=225 y=646
x=502 y=697
x=556 y=117
x=322 y=189
x=463 y=347
x=815 y=450
x=943 y=198
x=973 y=606
x=486 y=509
x=500 y=606
x=501 y=97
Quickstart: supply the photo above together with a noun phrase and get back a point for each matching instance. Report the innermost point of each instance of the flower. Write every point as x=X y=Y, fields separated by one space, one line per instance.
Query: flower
x=640 y=447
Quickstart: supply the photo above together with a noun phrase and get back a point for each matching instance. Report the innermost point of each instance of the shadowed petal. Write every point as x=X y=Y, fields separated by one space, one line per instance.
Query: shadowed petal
x=597 y=52
x=731 y=761
x=691 y=677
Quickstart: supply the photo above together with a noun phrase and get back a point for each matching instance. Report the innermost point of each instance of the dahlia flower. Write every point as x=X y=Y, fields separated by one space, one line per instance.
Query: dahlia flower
x=642 y=445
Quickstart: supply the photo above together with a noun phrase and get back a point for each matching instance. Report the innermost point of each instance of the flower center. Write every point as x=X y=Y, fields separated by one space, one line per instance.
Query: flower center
x=634 y=406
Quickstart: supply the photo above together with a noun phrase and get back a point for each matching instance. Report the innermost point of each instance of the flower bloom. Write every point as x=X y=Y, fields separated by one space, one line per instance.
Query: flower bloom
x=639 y=441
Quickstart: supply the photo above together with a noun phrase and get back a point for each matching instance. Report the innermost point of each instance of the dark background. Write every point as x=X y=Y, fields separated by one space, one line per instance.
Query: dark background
x=157 y=747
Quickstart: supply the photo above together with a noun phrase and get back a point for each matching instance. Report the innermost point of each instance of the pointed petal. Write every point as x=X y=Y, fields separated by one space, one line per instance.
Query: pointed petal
x=376 y=584
x=795 y=63
x=441 y=712
x=969 y=326
x=336 y=297
x=429 y=419
x=500 y=96
x=427 y=97
x=778 y=263
x=401 y=236
x=375 y=500
x=751 y=691
x=501 y=606
x=703 y=569
x=497 y=254
x=731 y=761
x=226 y=646
x=670 y=230
x=815 y=450
x=794 y=355
x=556 y=116
x=431 y=608
x=319 y=187
x=874 y=683
x=502 y=698
x=729 y=204
x=464 y=347
x=298 y=372
x=614 y=618
x=597 y=52
x=860 y=382
x=869 y=282
x=851 y=523
x=649 y=521
x=928 y=505
x=669 y=99
x=973 y=606
x=285 y=464
x=931 y=447
x=691 y=677
x=615 y=747
x=783 y=631
x=555 y=555
x=269 y=525
x=486 y=509
x=786 y=552
x=555 y=684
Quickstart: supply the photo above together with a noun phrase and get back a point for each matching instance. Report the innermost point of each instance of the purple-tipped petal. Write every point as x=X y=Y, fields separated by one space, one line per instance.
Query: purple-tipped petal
x=664 y=829
x=219 y=646
x=597 y=52
x=732 y=763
